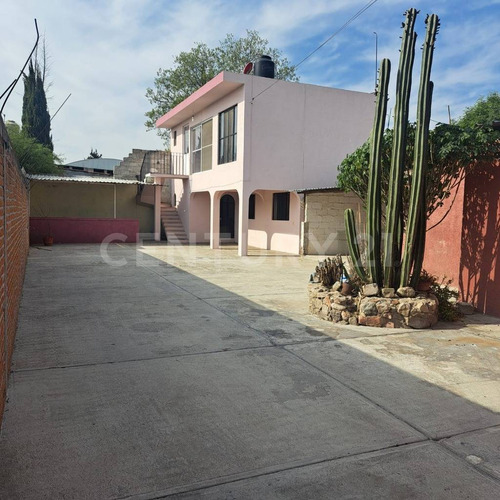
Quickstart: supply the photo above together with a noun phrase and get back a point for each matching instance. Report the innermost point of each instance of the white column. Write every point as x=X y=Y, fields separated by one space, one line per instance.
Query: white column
x=242 y=223
x=214 y=220
x=157 y=213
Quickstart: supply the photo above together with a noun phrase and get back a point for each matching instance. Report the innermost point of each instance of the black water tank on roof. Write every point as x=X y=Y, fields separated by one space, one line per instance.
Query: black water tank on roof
x=264 y=66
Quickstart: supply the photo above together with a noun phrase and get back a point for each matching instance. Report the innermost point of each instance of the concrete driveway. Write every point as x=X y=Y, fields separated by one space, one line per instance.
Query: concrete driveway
x=182 y=372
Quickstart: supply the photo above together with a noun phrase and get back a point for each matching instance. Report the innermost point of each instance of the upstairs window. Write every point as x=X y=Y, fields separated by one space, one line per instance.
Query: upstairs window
x=281 y=206
x=201 y=147
x=186 y=140
x=227 y=135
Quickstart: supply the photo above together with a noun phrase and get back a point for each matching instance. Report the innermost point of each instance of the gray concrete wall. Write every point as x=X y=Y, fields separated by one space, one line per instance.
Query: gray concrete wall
x=324 y=231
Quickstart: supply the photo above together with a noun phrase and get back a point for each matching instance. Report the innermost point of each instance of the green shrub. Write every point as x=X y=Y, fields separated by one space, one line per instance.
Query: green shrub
x=447 y=297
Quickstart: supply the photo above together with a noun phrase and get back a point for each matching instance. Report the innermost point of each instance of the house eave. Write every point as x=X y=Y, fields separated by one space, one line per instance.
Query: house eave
x=221 y=85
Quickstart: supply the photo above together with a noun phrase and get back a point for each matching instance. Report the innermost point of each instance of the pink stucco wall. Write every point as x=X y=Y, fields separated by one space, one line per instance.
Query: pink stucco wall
x=82 y=230
x=268 y=234
x=199 y=218
x=289 y=136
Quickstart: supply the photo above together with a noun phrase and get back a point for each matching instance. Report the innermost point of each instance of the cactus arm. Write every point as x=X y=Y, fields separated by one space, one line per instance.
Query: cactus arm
x=374 y=211
x=392 y=243
x=352 y=242
x=421 y=147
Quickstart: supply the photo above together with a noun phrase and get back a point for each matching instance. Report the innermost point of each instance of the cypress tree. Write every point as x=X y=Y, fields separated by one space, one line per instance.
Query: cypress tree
x=35 y=117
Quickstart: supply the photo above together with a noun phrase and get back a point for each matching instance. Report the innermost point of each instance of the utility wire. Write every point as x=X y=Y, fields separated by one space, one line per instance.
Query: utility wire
x=345 y=25
x=29 y=152
x=14 y=83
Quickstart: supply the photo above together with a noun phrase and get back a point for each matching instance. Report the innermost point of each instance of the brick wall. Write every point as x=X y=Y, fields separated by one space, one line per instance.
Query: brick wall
x=14 y=246
x=324 y=231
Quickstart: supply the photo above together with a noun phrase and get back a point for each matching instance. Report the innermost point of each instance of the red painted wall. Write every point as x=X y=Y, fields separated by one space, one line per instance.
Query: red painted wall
x=443 y=244
x=466 y=245
x=82 y=230
x=480 y=263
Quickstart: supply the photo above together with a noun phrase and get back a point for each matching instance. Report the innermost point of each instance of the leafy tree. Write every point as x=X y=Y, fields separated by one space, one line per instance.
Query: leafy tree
x=453 y=152
x=193 y=69
x=34 y=157
x=93 y=154
x=35 y=117
x=483 y=112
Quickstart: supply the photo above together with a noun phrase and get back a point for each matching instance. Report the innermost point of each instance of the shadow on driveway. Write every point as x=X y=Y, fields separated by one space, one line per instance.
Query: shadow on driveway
x=145 y=381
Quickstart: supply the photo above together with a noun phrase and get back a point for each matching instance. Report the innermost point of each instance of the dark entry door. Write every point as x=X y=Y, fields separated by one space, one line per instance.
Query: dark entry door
x=227 y=216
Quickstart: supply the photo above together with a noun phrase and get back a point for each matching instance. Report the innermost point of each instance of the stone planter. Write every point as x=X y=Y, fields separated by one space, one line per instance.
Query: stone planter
x=332 y=305
x=399 y=312
x=417 y=311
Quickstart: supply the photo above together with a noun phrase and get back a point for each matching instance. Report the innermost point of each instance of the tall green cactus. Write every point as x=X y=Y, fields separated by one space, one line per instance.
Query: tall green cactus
x=374 y=209
x=393 y=241
x=417 y=194
x=352 y=242
x=412 y=257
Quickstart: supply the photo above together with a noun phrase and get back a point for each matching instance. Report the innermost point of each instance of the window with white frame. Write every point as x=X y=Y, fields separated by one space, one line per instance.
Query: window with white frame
x=201 y=147
x=227 y=135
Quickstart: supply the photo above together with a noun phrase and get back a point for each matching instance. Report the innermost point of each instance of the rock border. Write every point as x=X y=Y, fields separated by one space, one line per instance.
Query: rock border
x=405 y=308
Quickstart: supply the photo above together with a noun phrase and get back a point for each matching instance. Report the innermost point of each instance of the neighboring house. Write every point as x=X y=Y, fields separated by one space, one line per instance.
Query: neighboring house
x=91 y=167
x=140 y=161
x=242 y=145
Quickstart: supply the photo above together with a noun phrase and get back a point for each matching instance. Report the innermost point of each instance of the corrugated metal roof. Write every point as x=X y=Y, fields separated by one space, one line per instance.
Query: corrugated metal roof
x=87 y=179
x=309 y=190
x=98 y=163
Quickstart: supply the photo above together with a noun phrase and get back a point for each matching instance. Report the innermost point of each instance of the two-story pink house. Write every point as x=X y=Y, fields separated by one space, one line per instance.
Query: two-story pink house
x=242 y=144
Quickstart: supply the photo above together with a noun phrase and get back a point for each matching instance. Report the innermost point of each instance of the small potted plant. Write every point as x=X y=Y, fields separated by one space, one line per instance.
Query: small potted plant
x=425 y=281
x=48 y=239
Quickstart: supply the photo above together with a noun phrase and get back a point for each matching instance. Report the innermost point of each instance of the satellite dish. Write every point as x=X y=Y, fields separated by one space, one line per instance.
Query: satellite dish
x=248 y=68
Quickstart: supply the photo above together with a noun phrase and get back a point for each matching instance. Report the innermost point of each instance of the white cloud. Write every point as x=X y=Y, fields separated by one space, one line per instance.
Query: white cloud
x=107 y=53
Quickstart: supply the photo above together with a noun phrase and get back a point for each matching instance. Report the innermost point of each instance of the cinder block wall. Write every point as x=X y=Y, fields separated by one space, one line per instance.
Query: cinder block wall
x=14 y=245
x=324 y=232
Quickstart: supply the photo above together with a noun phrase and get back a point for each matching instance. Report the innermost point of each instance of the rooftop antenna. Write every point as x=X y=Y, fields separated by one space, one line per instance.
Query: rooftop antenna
x=376 y=59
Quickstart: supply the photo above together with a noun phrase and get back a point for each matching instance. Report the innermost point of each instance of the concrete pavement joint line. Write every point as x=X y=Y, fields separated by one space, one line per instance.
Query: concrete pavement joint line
x=480 y=468
x=359 y=393
x=138 y=360
x=239 y=322
x=415 y=427
x=347 y=386
x=255 y=294
x=438 y=441
x=267 y=471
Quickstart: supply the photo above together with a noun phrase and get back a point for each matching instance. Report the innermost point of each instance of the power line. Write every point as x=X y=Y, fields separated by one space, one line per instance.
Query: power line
x=14 y=83
x=347 y=23
x=334 y=34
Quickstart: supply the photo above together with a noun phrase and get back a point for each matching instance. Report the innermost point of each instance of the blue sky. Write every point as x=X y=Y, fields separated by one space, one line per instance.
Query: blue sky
x=106 y=53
